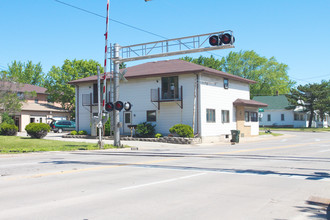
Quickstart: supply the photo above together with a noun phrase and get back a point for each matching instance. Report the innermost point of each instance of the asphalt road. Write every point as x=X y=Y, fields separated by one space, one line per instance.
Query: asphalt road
x=269 y=179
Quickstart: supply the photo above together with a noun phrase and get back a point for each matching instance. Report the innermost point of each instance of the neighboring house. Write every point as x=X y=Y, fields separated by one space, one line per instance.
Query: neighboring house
x=35 y=108
x=170 y=92
x=277 y=114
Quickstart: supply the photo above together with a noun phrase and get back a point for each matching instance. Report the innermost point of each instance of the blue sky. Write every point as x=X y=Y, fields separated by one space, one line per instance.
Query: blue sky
x=295 y=32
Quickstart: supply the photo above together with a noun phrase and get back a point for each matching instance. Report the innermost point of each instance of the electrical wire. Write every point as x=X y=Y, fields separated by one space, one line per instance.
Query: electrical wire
x=119 y=22
x=122 y=23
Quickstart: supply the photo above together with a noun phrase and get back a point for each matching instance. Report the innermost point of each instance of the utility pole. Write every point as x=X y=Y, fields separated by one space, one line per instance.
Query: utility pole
x=116 y=121
x=99 y=124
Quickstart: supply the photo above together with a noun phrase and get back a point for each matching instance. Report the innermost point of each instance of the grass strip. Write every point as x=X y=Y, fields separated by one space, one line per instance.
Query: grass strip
x=14 y=144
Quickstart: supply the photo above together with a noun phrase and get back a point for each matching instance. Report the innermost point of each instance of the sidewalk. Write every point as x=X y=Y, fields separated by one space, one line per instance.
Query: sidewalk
x=155 y=145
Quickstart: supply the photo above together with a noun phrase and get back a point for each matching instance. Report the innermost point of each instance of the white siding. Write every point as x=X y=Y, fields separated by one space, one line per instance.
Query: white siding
x=138 y=92
x=84 y=111
x=214 y=96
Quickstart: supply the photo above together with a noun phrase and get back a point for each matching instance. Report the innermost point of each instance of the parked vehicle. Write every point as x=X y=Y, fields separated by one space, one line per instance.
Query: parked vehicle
x=62 y=125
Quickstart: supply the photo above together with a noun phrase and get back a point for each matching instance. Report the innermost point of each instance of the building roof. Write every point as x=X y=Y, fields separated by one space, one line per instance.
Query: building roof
x=274 y=102
x=29 y=106
x=168 y=67
x=246 y=102
x=21 y=87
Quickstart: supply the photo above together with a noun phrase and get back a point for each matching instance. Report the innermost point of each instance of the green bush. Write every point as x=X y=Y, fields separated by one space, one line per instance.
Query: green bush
x=37 y=130
x=182 y=130
x=8 y=129
x=73 y=133
x=145 y=129
x=158 y=135
x=82 y=132
x=5 y=117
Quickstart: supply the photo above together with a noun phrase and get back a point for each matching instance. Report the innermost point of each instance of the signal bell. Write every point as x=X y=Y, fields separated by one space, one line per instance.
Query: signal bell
x=127 y=106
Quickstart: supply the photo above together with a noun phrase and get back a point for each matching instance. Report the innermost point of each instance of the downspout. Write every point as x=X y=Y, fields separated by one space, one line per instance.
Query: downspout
x=198 y=76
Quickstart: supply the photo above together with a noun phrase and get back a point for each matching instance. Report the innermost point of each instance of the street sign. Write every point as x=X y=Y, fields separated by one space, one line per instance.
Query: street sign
x=261 y=110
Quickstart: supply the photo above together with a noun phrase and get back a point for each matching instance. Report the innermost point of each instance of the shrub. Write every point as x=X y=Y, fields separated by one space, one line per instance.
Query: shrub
x=145 y=129
x=158 y=135
x=82 y=132
x=37 y=130
x=8 y=129
x=73 y=133
x=182 y=130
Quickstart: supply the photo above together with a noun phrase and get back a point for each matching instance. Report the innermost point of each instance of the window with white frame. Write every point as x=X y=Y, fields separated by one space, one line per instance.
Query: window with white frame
x=210 y=115
x=269 y=118
x=225 y=116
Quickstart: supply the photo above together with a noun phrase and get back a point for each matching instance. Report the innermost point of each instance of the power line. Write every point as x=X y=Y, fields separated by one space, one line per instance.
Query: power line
x=122 y=23
x=119 y=22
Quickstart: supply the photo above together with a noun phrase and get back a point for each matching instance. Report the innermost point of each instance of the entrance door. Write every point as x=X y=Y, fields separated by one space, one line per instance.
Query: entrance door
x=127 y=121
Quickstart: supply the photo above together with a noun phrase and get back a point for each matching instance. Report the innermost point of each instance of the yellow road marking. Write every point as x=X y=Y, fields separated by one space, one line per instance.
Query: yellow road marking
x=87 y=169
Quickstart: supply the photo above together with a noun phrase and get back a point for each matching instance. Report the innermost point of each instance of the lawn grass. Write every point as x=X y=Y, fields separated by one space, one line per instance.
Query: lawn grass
x=14 y=144
x=297 y=129
x=273 y=134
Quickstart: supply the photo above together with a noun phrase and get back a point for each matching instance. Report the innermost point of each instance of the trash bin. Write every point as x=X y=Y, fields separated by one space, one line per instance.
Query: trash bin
x=235 y=136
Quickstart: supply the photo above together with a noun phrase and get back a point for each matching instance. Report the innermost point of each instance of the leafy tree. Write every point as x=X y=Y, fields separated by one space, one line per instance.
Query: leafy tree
x=28 y=73
x=58 y=77
x=312 y=97
x=9 y=101
x=270 y=75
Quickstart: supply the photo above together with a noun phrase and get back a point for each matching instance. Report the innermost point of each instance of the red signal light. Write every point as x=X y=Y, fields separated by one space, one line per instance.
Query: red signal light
x=214 y=40
x=109 y=107
x=227 y=39
x=119 y=105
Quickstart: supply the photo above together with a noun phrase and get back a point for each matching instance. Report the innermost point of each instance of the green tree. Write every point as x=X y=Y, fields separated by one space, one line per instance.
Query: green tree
x=28 y=73
x=311 y=97
x=10 y=102
x=270 y=75
x=58 y=77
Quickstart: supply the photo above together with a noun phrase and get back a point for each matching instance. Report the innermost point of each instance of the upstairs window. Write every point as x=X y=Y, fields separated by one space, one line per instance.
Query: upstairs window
x=225 y=83
x=170 y=87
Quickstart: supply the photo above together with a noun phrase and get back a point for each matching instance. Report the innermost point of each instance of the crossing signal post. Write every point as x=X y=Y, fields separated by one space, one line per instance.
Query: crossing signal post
x=177 y=46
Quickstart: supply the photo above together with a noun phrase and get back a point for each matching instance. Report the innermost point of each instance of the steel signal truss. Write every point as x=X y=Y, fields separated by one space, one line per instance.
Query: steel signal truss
x=170 y=47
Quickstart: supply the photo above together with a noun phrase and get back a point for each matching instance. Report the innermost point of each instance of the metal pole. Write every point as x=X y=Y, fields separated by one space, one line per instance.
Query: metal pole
x=116 y=123
x=99 y=124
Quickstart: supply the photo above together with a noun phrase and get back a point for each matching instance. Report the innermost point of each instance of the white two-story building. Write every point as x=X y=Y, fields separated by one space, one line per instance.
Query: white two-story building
x=170 y=92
